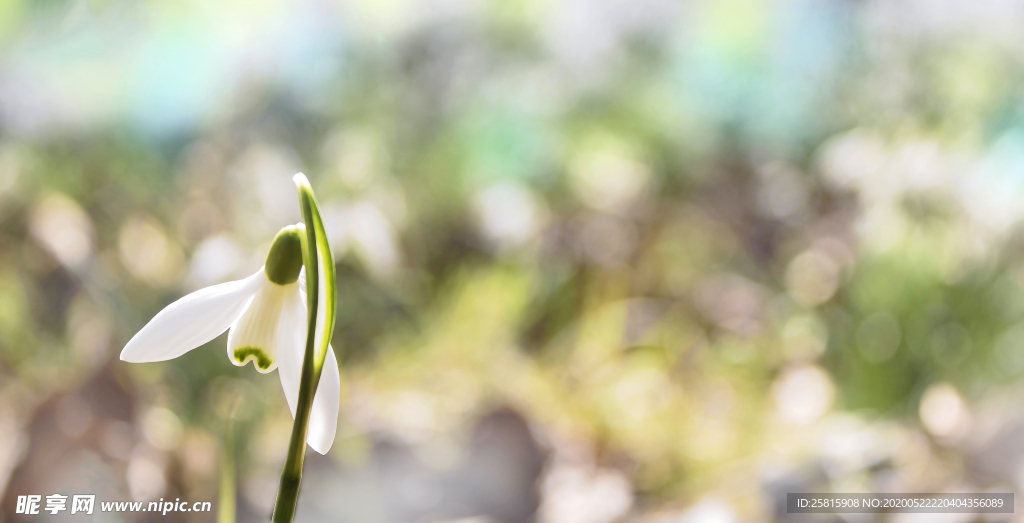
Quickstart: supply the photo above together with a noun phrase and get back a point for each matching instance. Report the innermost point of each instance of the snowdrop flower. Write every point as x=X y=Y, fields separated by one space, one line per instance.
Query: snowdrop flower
x=265 y=316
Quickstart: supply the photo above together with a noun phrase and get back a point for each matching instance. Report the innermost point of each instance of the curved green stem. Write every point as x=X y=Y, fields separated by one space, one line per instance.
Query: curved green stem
x=319 y=263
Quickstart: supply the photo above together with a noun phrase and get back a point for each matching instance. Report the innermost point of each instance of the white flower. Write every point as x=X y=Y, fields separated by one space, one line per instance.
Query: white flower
x=266 y=315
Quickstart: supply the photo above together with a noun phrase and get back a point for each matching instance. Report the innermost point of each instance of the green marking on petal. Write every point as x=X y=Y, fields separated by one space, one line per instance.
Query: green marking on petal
x=260 y=358
x=284 y=261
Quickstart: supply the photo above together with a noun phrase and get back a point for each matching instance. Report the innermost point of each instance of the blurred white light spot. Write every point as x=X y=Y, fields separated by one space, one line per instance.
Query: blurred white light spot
x=878 y=337
x=215 y=260
x=147 y=252
x=145 y=478
x=581 y=39
x=812 y=277
x=508 y=214
x=709 y=511
x=851 y=444
x=847 y=160
x=61 y=226
x=802 y=394
x=638 y=393
x=944 y=412
x=609 y=179
x=920 y=165
x=162 y=428
x=579 y=495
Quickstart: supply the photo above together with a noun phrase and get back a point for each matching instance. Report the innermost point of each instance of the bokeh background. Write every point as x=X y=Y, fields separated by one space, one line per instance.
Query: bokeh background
x=600 y=261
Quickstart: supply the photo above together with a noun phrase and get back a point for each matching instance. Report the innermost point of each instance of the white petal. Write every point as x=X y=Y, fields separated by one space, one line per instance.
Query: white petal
x=254 y=337
x=291 y=346
x=192 y=321
x=323 y=418
x=291 y=336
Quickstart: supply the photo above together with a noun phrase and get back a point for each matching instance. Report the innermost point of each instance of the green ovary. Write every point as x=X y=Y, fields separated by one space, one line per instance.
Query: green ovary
x=261 y=359
x=284 y=261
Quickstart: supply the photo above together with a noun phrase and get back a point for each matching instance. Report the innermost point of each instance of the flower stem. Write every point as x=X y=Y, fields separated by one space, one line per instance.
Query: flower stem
x=226 y=497
x=319 y=263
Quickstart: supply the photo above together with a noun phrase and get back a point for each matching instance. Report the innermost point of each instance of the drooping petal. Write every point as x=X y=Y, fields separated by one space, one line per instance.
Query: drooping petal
x=323 y=416
x=191 y=321
x=254 y=337
x=291 y=345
